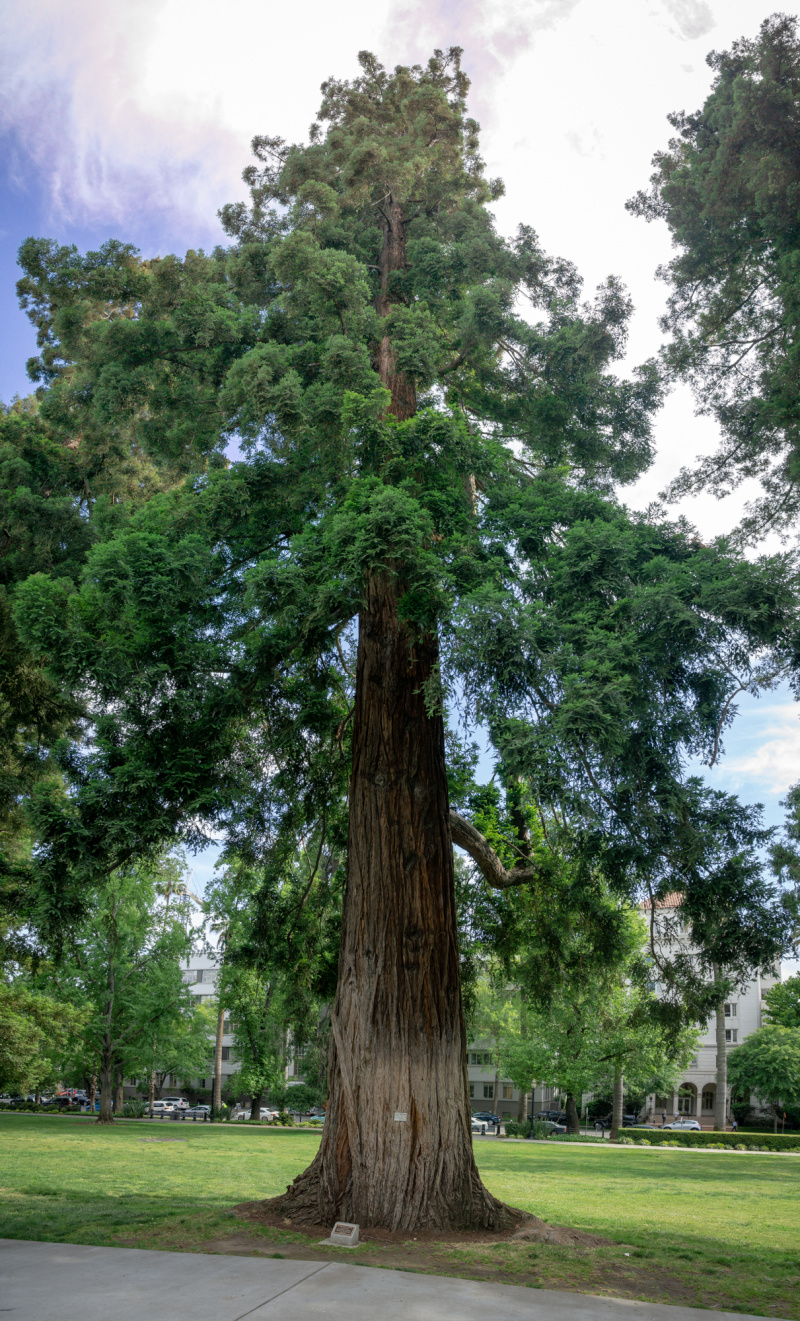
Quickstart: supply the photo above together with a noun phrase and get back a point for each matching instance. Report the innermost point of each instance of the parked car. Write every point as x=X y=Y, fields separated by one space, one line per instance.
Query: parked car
x=162 y=1107
x=557 y=1116
x=553 y=1127
x=690 y=1124
x=177 y=1102
x=317 y=1111
x=486 y=1116
x=628 y=1121
x=479 y=1125
x=199 y=1111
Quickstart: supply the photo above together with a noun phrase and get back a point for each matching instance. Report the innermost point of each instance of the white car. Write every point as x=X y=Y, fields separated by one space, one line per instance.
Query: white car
x=691 y=1124
x=162 y=1107
x=177 y=1102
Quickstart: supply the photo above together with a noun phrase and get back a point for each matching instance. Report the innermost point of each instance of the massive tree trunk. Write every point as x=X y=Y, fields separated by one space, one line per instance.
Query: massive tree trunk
x=721 y=1094
x=396 y=1149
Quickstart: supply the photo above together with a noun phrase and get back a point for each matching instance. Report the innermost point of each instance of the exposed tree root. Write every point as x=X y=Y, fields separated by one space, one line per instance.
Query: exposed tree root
x=307 y=1203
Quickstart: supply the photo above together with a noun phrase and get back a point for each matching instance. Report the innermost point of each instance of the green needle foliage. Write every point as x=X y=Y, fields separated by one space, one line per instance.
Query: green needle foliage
x=728 y=187
x=206 y=635
x=443 y=415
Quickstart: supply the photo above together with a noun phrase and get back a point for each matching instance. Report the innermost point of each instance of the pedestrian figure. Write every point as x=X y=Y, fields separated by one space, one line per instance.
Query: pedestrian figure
x=735 y=1126
x=663 y=1118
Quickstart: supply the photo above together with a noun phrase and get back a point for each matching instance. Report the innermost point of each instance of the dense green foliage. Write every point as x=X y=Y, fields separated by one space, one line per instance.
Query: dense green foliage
x=246 y=478
x=728 y=187
x=768 y=1064
x=782 y=1003
x=36 y=1033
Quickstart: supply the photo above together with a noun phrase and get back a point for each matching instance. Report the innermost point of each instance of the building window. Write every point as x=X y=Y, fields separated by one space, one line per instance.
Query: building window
x=731 y=1034
x=709 y=1094
x=226 y=1025
x=508 y=1091
x=472 y=1091
x=730 y=1011
x=488 y=1091
x=480 y=1057
x=189 y=975
x=662 y=1102
x=226 y=1052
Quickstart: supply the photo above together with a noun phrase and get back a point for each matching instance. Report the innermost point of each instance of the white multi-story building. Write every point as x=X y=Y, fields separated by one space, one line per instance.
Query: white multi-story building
x=201 y=975
x=696 y=1092
x=488 y=1090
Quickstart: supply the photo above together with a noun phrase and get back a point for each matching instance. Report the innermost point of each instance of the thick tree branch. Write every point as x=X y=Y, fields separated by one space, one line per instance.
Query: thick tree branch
x=485 y=858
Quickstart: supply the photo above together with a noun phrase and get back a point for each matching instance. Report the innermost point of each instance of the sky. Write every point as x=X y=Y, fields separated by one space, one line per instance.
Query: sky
x=133 y=120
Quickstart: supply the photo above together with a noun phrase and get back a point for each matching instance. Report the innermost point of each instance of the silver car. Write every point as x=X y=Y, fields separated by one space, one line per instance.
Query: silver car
x=691 y=1124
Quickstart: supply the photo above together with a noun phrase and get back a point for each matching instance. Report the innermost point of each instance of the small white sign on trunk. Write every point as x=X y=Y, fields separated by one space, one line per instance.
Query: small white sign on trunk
x=400 y=1116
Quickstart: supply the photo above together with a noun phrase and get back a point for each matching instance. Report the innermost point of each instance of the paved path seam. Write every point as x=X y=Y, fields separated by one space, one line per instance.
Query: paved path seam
x=289 y=1287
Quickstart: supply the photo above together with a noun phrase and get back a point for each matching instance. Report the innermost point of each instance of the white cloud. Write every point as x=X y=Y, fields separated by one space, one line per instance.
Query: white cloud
x=693 y=18
x=147 y=107
x=775 y=762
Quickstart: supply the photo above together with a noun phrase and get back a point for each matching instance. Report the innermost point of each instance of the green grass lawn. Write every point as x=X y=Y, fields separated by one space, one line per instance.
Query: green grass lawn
x=705 y=1229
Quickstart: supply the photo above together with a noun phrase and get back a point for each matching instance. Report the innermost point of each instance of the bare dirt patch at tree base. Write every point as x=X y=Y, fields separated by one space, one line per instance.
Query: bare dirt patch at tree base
x=265 y=1213
x=542 y=1257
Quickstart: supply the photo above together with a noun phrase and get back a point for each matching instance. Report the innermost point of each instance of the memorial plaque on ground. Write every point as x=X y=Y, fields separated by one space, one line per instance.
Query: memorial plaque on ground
x=343 y=1235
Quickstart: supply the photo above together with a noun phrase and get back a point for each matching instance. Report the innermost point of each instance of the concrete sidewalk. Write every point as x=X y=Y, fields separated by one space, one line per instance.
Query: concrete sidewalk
x=40 y=1280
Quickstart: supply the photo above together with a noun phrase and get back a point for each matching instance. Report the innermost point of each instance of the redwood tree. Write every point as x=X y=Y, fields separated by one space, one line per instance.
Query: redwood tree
x=418 y=512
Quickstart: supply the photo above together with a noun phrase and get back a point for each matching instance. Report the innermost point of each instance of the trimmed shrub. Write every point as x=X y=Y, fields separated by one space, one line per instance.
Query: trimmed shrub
x=721 y=1141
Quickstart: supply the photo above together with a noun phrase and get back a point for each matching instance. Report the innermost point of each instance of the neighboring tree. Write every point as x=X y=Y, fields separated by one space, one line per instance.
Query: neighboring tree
x=767 y=1065
x=728 y=189
x=258 y=1019
x=179 y=1046
x=124 y=964
x=781 y=1004
x=36 y=1033
x=422 y=513
x=593 y=1042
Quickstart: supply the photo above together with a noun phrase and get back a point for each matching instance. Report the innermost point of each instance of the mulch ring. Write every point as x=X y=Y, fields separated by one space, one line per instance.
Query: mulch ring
x=528 y=1229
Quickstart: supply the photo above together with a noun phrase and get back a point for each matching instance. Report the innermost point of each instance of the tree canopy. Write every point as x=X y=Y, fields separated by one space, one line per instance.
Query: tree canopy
x=374 y=451
x=728 y=187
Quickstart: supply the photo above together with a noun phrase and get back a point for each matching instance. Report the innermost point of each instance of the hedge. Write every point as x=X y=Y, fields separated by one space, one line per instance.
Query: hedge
x=762 y=1141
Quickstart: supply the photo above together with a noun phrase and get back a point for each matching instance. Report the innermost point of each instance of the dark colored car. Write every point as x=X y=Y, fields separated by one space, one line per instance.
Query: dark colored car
x=555 y=1116
x=628 y=1121
x=486 y=1117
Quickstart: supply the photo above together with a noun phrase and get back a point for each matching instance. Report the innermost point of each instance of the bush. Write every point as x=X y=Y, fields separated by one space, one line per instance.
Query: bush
x=517 y=1129
x=576 y=1137
x=724 y=1141
x=133 y=1109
